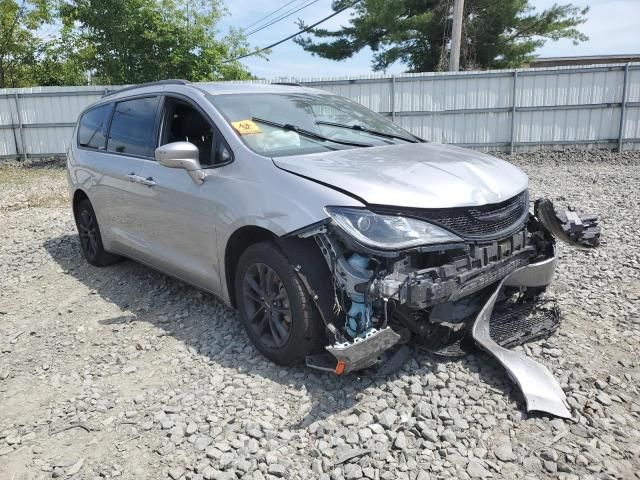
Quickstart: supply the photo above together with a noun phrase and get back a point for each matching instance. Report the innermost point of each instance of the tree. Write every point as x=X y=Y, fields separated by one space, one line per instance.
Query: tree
x=59 y=62
x=19 y=45
x=496 y=33
x=134 y=41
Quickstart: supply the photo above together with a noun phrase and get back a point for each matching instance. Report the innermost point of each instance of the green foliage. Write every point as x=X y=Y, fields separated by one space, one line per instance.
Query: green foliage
x=115 y=42
x=19 y=45
x=496 y=33
x=60 y=63
x=135 y=41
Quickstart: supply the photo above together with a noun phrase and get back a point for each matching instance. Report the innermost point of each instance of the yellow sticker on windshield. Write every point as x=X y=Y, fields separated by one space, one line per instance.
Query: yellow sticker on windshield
x=246 y=127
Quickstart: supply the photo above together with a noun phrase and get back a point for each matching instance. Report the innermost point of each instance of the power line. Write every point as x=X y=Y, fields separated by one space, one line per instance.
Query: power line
x=267 y=16
x=282 y=17
x=306 y=29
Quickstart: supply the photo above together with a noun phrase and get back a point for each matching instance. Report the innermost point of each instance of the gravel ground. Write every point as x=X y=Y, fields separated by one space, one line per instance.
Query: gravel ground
x=124 y=372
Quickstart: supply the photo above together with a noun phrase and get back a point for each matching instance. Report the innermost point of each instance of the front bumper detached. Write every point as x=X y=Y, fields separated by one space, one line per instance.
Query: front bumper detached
x=537 y=384
x=539 y=387
x=363 y=352
x=463 y=301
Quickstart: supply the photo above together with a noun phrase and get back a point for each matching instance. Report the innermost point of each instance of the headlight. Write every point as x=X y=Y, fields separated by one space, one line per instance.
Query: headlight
x=388 y=231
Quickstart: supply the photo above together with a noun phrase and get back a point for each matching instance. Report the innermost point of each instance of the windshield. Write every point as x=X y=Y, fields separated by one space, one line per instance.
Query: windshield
x=267 y=123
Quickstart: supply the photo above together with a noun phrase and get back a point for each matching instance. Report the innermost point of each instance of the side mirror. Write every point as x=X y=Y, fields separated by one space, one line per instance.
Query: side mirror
x=184 y=155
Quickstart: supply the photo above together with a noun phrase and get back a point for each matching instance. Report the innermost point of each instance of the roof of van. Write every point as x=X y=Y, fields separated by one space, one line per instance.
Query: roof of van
x=221 y=88
x=217 y=88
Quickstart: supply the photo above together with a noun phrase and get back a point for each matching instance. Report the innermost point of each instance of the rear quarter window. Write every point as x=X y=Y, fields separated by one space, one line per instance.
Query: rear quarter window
x=92 y=130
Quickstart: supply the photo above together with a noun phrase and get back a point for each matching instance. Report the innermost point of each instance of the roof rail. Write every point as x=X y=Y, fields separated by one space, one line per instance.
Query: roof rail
x=288 y=84
x=171 y=81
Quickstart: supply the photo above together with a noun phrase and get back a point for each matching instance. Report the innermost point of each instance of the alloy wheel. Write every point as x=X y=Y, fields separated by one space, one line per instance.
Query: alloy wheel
x=87 y=229
x=267 y=305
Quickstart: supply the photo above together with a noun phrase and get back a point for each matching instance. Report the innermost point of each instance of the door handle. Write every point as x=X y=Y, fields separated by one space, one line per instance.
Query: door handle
x=146 y=181
x=138 y=179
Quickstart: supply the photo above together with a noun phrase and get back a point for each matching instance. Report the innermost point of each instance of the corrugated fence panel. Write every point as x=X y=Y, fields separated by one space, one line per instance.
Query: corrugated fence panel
x=40 y=141
x=574 y=125
x=578 y=88
x=633 y=86
x=7 y=142
x=46 y=115
x=463 y=128
x=7 y=107
x=632 y=123
x=63 y=109
x=431 y=107
x=373 y=95
x=436 y=94
x=564 y=106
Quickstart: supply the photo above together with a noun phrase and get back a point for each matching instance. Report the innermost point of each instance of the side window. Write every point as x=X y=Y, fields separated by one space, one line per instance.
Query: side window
x=133 y=127
x=92 y=131
x=183 y=123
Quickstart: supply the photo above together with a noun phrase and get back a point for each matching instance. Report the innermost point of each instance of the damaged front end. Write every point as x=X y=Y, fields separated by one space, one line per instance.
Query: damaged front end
x=477 y=279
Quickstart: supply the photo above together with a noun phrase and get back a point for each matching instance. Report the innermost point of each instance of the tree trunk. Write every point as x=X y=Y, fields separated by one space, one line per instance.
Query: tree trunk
x=2 y=85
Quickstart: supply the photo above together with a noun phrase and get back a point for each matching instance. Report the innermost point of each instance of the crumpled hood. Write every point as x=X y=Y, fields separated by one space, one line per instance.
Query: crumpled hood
x=418 y=175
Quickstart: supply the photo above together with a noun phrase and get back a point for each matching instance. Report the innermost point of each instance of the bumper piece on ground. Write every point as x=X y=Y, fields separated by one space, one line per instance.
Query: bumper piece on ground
x=363 y=352
x=539 y=387
x=523 y=322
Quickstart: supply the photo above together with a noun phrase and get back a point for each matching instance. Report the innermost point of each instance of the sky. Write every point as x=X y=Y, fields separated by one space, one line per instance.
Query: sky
x=613 y=27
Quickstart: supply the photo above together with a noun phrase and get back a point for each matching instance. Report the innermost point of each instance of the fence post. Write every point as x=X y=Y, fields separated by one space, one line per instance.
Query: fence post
x=513 y=112
x=623 y=108
x=20 y=130
x=13 y=126
x=393 y=98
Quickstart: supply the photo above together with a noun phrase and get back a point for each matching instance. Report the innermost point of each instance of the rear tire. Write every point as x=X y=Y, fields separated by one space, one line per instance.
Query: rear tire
x=90 y=238
x=274 y=307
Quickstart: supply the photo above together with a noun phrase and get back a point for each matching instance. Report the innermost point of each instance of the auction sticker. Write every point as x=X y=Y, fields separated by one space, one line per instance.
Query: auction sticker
x=246 y=127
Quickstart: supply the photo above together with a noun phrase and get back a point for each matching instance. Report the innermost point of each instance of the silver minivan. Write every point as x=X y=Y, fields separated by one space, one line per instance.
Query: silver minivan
x=337 y=234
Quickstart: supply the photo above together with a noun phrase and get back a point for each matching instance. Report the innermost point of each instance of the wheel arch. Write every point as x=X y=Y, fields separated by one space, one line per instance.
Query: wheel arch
x=301 y=252
x=78 y=196
x=238 y=242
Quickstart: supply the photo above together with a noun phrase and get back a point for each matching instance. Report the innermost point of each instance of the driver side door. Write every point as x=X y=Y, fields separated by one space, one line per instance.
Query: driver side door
x=179 y=213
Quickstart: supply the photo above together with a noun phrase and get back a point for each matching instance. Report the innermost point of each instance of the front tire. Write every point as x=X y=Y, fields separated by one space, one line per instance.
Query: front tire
x=90 y=238
x=274 y=307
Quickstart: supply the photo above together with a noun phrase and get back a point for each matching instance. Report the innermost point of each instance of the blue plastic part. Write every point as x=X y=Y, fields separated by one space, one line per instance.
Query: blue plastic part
x=358 y=261
x=359 y=316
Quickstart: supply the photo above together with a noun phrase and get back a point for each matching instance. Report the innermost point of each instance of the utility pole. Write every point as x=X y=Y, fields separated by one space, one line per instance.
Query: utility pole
x=456 y=36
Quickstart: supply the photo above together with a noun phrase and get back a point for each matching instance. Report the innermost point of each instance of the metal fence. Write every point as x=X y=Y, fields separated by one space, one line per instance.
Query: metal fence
x=508 y=110
x=39 y=121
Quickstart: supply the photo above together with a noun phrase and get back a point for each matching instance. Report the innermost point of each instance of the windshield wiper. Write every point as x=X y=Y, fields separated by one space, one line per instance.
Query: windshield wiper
x=360 y=128
x=309 y=133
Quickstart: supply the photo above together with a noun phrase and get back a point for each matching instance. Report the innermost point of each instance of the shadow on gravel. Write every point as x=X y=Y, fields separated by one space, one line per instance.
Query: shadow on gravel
x=203 y=323
x=59 y=162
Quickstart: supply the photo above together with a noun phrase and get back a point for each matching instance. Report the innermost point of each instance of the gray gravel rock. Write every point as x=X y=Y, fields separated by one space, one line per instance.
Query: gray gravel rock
x=387 y=418
x=475 y=469
x=352 y=472
x=277 y=470
x=152 y=377
x=176 y=472
x=504 y=453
